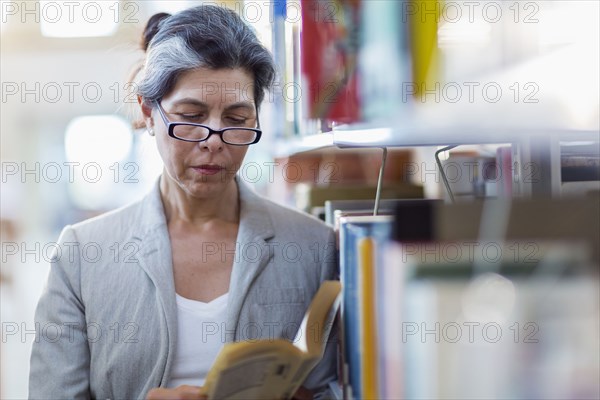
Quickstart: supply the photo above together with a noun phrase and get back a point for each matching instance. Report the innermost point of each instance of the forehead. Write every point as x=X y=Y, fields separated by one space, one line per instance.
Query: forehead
x=214 y=86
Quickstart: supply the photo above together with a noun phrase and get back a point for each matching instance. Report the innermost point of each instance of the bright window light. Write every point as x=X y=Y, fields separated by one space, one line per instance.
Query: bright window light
x=98 y=147
x=151 y=164
x=103 y=139
x=80 y=18
x=567 y=22
x=172 y=6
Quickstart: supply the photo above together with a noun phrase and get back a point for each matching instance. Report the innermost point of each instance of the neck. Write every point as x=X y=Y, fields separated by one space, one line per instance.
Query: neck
x=181 y=207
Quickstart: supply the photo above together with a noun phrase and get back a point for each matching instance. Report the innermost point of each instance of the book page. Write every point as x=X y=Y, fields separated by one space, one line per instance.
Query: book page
x=318 y=321
x=260 y=377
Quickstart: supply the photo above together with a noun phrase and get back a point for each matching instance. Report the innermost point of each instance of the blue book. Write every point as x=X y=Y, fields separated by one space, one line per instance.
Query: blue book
x=352 y=230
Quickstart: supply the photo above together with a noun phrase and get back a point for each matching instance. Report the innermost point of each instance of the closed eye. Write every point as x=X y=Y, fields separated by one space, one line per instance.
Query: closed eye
x=190 y=117
x=236 y=121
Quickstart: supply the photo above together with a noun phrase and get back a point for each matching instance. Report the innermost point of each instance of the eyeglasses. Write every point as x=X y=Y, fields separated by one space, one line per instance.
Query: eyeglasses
x=190 y=132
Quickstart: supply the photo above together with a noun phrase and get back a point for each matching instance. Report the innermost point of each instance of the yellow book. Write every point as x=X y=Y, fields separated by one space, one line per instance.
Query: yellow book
x=275 y=369
x=424 y=15
x=368 y=335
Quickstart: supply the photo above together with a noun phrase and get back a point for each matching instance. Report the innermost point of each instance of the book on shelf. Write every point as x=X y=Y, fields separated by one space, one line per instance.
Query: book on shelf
x=430 y=220
x=384 y=31
x=366 y=248
x=386 y=206
x=504 y=170
x=414 y=221
x=329 y=50
x=275 y=368
x=542 y=219
x=361 y=206
x=309 y=196
x=477 y=324
x=579 y=168
x=361 y=238
x=338 y=215
x=516 y=316
x=423 y=18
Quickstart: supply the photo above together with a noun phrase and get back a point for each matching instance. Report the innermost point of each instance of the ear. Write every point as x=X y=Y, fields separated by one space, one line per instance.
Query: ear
x=146 y=108
x=146 y=111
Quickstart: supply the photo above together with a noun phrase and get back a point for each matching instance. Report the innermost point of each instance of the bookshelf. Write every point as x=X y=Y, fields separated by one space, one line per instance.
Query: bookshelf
x=536 y=128
x=538 y=286
x=550 y=98
x=532 y=94
x=285 y=148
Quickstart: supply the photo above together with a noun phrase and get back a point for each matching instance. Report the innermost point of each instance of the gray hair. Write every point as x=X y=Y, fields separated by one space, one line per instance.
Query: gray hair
x=205 y=36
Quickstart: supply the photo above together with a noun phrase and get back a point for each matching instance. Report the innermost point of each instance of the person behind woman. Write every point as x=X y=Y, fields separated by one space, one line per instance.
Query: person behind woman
x=199 y=261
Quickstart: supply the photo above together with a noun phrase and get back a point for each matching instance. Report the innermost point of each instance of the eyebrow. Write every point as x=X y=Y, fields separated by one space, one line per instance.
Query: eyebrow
x=196 y=102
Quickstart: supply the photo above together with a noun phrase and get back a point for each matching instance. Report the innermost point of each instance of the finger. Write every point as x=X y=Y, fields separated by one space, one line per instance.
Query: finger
x=179 y=393
x=303 y=394
x=162 y=394
x=194 y=391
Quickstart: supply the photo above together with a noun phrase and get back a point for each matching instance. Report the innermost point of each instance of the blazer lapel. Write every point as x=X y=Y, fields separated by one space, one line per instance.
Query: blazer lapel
x=154 y=257
x=253 y=252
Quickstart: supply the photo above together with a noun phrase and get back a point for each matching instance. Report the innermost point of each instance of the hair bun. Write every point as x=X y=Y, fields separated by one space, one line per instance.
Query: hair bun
x=152 y=27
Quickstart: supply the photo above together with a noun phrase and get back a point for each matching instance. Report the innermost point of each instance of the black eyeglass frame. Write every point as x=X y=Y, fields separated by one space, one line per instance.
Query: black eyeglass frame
x=171 y=127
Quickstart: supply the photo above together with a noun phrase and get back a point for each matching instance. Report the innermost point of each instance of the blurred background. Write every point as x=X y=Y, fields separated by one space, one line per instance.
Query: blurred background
x=69 y=150
x=66 y=118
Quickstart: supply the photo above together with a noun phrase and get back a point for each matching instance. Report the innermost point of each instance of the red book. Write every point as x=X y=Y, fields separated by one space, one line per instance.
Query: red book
x=329 y=44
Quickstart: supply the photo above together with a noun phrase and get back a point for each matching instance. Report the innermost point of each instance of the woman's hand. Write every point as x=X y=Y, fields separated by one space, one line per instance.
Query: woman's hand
x=183 y=392
x=186 y=392
x=303 y=394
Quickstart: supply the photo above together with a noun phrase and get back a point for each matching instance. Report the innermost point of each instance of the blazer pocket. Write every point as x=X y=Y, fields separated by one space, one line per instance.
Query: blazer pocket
x=266 y=296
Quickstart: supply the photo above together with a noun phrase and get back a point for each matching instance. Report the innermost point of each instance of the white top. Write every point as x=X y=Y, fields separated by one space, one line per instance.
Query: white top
x=200 y=337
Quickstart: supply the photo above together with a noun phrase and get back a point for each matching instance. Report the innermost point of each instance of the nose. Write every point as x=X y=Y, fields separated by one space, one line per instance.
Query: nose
x=214 y=142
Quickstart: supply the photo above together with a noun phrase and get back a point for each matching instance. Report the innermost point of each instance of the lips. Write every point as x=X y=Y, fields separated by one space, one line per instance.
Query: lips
x=208 y=169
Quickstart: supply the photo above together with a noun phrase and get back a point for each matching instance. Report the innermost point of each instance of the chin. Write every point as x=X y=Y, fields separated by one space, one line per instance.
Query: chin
x=206 y=187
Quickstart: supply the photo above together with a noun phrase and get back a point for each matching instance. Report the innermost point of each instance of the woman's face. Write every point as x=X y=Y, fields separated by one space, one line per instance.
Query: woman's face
x=216 y=98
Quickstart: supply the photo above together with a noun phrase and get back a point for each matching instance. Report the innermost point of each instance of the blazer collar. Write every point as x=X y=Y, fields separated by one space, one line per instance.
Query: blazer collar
x=154 y=257
x=254 y=231
x=255 y=218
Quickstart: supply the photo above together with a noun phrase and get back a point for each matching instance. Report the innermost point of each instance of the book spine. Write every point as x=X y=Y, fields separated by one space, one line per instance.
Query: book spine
x=328 y=59
x=383 y=33
x=348 y=274
x=423 y=18
x=389 y=293
x=504 y=169
x=278 y=10
x=368 y=334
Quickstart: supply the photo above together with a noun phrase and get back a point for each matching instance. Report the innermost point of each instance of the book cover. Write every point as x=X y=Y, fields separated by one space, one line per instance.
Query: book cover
x=423 y=16
x=368 y=325
x=328 y=57
x=386 y=206
x=384 y=61
x=356 y=362
x=308 y=196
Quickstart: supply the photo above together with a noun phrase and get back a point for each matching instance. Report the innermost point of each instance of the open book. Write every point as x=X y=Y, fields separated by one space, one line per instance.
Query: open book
x=275 y=368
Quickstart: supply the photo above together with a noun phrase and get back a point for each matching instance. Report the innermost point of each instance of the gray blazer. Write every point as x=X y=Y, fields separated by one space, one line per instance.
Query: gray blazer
x=107 y=318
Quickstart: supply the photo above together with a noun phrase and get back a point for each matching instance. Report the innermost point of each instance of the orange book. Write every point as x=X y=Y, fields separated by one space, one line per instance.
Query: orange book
x=368 y=322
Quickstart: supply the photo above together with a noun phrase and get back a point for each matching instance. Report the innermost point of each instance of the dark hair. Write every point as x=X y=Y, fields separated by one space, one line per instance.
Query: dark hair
x=152 y=28
x=205 y=36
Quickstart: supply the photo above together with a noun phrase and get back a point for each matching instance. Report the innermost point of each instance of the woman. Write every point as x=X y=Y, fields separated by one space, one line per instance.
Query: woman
x=201 y=260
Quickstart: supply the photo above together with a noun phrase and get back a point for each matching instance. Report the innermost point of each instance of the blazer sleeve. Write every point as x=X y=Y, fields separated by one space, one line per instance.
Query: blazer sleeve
x=326 y=371
x=60 y=358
